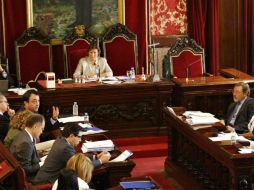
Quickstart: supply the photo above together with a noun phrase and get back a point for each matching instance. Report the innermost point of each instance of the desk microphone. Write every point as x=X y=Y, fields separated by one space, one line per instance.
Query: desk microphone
x=188 y=66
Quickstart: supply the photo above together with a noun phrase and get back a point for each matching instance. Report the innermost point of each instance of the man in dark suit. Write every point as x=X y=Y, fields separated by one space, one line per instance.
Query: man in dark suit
x=61 y=151
x=241 y=111
x=4 y=119
x=32 y=103
x=23 y=146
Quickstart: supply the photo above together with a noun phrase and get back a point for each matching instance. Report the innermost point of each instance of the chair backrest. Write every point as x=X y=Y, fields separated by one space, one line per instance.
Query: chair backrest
x=75 y=46
x=120 y=49
x=33 y=54
x=186 y=59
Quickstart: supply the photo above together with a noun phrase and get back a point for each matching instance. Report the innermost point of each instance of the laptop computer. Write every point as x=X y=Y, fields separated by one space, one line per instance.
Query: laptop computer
x=3 y=85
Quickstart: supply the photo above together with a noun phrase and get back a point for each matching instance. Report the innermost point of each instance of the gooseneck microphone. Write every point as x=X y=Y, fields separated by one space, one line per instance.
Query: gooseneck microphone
x=188 y=66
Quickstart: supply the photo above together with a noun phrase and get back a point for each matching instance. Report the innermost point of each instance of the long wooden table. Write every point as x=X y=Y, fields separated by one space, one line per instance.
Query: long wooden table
x=127 y=109
x=209 y=94
x=200 y=163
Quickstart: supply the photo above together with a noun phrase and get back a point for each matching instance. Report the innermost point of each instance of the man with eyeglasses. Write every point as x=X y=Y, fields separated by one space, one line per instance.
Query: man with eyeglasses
x=5 y=114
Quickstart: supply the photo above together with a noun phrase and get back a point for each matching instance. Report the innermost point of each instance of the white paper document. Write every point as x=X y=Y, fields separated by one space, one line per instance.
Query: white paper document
x=42 y=160
x=44 y=146
x=104 y=145
x=71 y=119
x=123 y=156
x=227 y=136
x=199 y=118
x=112 y=82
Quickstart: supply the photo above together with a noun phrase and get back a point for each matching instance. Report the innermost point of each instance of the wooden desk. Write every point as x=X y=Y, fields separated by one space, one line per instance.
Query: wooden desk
x=208 y=94
x=198 y=162
x=109 y=174
x=236 y=74
x=127 y=109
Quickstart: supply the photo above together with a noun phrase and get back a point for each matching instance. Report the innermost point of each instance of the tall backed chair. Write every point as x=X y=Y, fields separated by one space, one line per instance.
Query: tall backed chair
x=33 y=54
x=75 y=46
x=120 y=49
x=186 y=59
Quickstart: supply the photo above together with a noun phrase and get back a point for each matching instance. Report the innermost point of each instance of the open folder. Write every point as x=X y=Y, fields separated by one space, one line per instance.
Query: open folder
x=137 y=185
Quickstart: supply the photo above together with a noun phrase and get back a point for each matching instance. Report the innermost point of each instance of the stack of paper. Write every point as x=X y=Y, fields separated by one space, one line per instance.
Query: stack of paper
x=98 y=146
x=199 y=118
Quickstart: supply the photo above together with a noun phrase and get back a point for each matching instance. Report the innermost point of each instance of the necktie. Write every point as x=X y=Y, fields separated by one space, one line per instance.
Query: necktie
x=231 y=119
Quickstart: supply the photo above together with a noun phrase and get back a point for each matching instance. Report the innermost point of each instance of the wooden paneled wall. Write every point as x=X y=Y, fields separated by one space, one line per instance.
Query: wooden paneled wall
x=229 y=33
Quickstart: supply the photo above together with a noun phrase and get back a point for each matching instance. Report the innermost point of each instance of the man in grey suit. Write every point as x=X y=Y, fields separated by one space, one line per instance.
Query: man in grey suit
x=241 y=110
x=23 y=147
x=61 y=151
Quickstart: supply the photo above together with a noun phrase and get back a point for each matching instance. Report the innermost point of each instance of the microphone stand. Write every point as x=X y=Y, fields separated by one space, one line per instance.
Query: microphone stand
x=156 y=77
x=187 y=69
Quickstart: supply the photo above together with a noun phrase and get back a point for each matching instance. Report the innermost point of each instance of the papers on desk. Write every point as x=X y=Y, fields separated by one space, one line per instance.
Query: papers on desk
x=109 y=79
x=71 y=119
x=227 y=137
x=20 y=91
x=42 y=160
x=137 y=185
x=44 y=146
x=104 y=145
x=88 y=129
x=112 y=82
x=122 y=157
x=199 y=118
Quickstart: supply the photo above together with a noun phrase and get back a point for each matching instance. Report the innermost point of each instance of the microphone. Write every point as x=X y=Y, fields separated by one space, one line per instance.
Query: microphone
x=154 y=44
x=188 y=66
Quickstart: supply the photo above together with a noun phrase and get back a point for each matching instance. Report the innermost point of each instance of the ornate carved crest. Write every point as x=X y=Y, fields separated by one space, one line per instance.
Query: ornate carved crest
x=80 y=32
x=185 y=43
x=119 y=30
x=33 y=33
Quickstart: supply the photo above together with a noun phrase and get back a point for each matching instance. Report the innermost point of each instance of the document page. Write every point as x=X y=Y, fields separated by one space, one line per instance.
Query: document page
x=122 y=157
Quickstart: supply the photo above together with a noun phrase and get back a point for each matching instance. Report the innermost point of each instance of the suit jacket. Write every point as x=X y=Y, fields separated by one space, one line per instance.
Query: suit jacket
x=243 y=116
x=24 y=150
x=59 y=154
x=4 y=125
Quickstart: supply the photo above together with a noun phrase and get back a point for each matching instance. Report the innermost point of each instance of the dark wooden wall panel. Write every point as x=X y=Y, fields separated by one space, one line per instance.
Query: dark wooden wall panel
x=229 y=33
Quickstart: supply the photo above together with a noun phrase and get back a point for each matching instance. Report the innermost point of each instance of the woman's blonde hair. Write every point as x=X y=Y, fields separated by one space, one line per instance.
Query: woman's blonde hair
x=82 y=165
x=19 y=119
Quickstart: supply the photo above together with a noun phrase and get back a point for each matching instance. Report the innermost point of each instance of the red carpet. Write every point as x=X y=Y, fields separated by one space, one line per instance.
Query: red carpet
x=149 y=154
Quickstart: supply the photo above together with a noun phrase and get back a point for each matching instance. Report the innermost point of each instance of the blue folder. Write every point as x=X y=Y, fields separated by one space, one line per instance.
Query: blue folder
x=137 y=185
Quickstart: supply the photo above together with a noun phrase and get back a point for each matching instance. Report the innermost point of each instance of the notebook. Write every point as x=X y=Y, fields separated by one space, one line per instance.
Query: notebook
x=3 y=85
x=138 y=185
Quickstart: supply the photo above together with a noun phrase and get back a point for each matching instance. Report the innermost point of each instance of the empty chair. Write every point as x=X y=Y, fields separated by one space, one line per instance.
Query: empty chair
x=185 y=59
x=33 y=54
x=120 y=49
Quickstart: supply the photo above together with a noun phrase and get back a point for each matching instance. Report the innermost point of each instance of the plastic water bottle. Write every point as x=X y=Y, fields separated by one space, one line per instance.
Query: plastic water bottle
x=233 y=137
x=86 y=118
x=132 y=73
x=75 y=109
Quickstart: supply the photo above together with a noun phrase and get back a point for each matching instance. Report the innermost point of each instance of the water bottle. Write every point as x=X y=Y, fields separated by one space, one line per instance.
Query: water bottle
x=132 y=73
x=233 y=137
x=86 y=118
x=75 y=109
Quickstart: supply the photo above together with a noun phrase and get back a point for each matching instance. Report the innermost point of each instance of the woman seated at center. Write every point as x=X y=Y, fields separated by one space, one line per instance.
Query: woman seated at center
x=92 y=64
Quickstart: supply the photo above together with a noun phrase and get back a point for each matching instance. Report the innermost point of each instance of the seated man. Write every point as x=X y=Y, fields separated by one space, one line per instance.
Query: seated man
x=240 y=112
x=23 y=146
x=92 y=64
x=62 y=150
x=4 y=120
x=32 y=103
